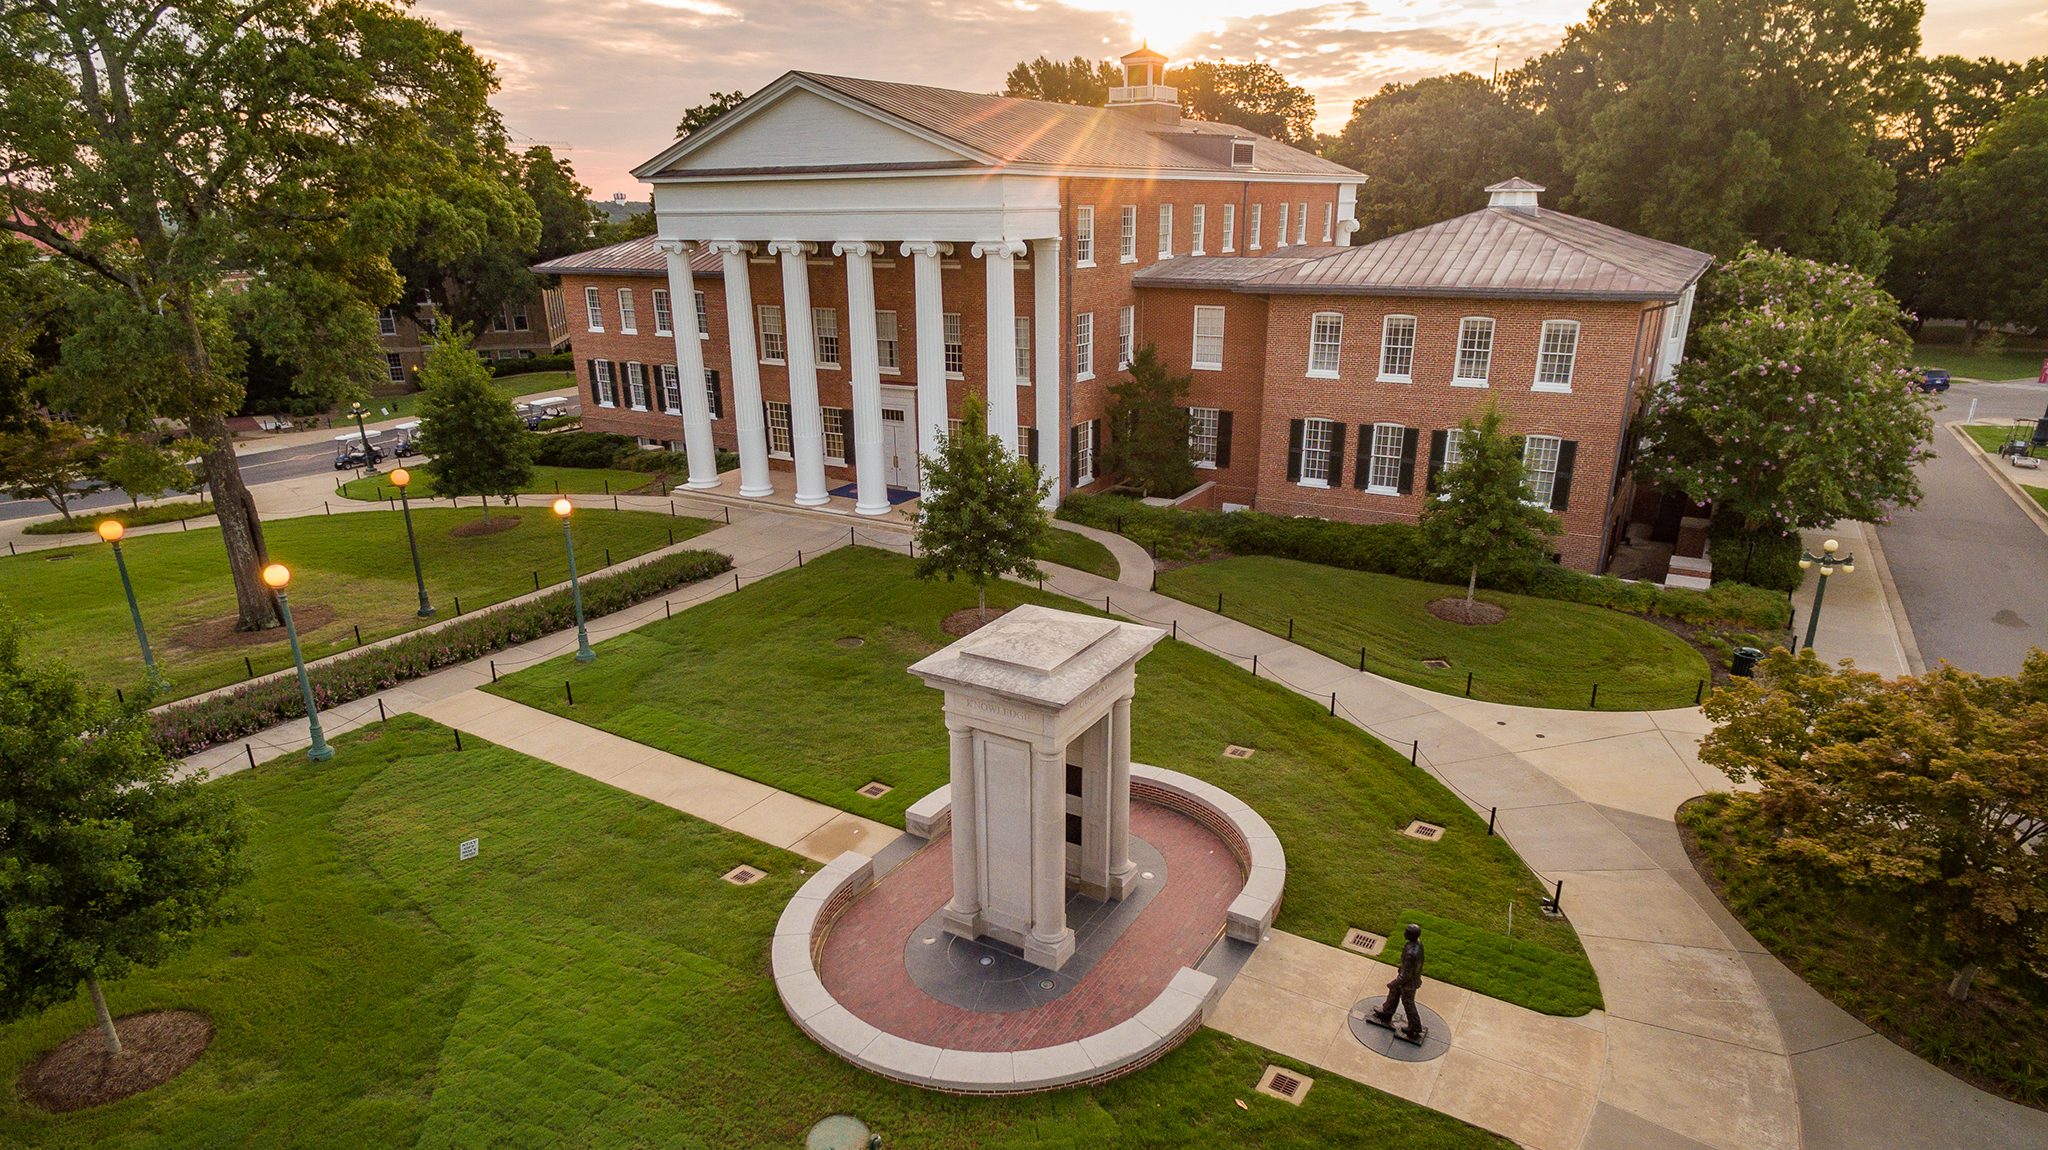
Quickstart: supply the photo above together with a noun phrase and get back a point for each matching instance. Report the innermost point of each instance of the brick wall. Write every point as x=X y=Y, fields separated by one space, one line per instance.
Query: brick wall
x=1166 y=321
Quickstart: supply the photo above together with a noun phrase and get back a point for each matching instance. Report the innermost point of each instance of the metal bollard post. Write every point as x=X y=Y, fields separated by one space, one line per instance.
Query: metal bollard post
x=1557 y=899
x=1414 y=751
x=1176 y=629
x=671 y=537
x=248 y=666
x=728 y=517
x=536 y=580
x=1290 y=628
x=615 y=499
x=1468 y=684
x=568 y=693
x=119 y=697
x=1361 y=658
x=735 y=580
x=381 y=716
x=607 y=486
x=1219 y=602
x=1333 y=703
x=1490 y=816
x=1105 y=605
x=849 y=537
x=251 y=752
x=799 y=556
x=1594 y=702
x=458 y=604
x=1699 y=692
x=1155 y=581
x=607 y=556
x=359 y=634
x=1255 y=666
x=666 y=612
x=458 y=738
x=494 y=670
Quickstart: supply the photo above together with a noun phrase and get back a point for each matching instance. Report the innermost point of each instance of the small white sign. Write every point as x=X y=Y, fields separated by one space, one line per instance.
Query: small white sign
x=468 y=849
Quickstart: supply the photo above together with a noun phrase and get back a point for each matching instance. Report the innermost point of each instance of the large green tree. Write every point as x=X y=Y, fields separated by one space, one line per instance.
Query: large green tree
x=1254 y=96
x=1148 y=445
x=981 y=516
x=697 y=116
x=163 y=147
x=1717 y=122
x=1433 y=146
x=108 y=861
x=1481 y=517
x=55 y=462
x=1076 y=81
x=567 y=220
x=474 y=439
x=1796 y=406
x=1986 y=249
x=1931 y=791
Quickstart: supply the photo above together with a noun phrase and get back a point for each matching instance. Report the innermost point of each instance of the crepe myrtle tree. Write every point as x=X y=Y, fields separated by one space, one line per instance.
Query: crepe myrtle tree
x=981 y=515
x=1797 y=407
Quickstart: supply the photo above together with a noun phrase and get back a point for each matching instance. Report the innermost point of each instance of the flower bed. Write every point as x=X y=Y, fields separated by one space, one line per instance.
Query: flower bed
x=86 y=522
x=193 y=726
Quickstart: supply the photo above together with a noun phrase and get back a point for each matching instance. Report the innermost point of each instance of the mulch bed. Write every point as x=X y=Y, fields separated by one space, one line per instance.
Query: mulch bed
x=1453 y=610
x=492 y=526
x=156 y=1046
x=221 y=634
x=968 y=620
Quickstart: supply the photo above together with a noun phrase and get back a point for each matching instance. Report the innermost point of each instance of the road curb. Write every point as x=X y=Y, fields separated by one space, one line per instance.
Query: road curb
x=1902 y=626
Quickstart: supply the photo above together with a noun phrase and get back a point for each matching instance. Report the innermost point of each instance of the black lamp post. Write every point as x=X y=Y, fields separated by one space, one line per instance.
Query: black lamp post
x=369 y=460
x=583 y=652
x=399 y=479
x=1828 y=560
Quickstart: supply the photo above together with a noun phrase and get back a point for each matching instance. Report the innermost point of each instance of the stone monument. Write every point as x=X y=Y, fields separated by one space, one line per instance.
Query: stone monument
x=1038 y=707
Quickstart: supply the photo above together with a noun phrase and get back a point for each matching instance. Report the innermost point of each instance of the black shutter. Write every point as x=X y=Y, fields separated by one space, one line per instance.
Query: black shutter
x=1031 y=446
x=1074 y=455
x=1408 y=437
x=1336 y=476
x=716 y=396
x=1294 y=450
x=1222 y=439
x=1561 y=489
x=846 y=432
x=1438 y=441
x=593 y=382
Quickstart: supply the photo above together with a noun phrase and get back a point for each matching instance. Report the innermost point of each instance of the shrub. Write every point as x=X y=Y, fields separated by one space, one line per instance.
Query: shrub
x=184 y=728
x=1762 y=559
x=128 y=517
x=583 y=449
x=560 y=361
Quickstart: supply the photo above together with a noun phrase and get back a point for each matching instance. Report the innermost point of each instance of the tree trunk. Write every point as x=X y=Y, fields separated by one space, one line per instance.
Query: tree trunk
x=1969 y=336
x=99 y=1007
x=1959 y=986
x=240 y=529
x=981 y=599
x=1471 y=590
x=486 y=501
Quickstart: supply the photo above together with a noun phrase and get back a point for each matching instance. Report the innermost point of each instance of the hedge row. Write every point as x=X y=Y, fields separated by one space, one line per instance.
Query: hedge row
x=193 y=726
x=560 y=361
x=1398 y=549
x=128 y=517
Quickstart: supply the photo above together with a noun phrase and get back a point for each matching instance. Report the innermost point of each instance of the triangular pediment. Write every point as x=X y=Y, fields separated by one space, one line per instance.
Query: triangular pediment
x=798 y=125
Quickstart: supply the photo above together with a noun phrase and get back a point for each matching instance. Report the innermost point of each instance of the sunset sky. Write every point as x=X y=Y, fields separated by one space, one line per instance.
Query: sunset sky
x=604 y=81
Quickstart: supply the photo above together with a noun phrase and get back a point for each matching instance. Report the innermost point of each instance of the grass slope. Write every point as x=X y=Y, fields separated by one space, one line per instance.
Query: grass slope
x=512 y=387
x=2002 y=365
x=546 y=481
x=587 y=981
x=1069 y=549
x=357 y=564
x=1991 y=437
x=756 y=684
x=1546 y=653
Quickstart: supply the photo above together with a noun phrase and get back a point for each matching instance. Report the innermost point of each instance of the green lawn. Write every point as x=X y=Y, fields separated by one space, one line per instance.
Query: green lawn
x=85 y=522
x=512 y=387
x=2040 y=495
x=355 y=566
x=546 y=481
x=1546 y=653
x=586 y=981
x=756 y=684
x=1992 y=436
x=1977 y=365
x=1842 y=943
x=1069 y=549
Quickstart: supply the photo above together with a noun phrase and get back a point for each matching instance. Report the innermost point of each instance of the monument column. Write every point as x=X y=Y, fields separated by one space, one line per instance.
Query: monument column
x=1000 y=256
x=1052 y=940
x=806 y=421
x=682 y=293
x=746 y=369
x=963 y=910
x=870 y=477
x=1121 y=868
x=1047 y=326
x=930 y=326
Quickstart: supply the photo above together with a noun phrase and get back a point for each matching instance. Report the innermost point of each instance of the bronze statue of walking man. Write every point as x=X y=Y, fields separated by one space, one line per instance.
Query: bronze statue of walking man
x=1401 y=991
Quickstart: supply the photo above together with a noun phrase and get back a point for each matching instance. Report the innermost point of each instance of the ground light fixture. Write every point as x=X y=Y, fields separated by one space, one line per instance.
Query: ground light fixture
x=399 y=479
x=359 y=411
x=276 y=577
x=112 y=530
x=1830 y=561
x=584 y=654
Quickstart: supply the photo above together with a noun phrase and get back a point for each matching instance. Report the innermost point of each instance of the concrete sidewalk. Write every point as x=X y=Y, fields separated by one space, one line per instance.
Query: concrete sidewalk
x=1861 y=616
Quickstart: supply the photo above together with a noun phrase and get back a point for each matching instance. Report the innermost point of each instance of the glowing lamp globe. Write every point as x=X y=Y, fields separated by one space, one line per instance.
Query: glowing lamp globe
x=111 y=530
x=276 y=576
x=563 y=507
x=401 y=477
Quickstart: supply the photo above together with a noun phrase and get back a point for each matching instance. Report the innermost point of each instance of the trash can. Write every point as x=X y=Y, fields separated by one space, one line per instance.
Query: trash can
x=1744 y=661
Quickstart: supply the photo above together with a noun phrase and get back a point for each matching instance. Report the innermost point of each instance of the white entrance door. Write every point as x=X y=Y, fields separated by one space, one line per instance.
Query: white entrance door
x=899 y=445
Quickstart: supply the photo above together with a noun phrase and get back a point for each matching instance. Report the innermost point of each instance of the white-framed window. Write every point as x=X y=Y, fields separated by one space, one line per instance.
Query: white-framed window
x=1166 y=231
x=703 y=317
x=1023 y=349
x=1281 y=242
x=607 y=393
x=387 y=321
x=1397 y=349
x=1329 y=222
x=664 y=315
x=636 y=386
x=1384 y=474
x=1325 y=343
x=711 y=395
x=1208 y=353
x=1475 y=351
x=1024 y=445
x=952 y=428
x=1230 y=227
x=1454 y=448
x=1253 y=225
x=835 y=430
x=519 y=321
x=1127 y=234
x=1539 y=468
x=394 y=367
x=778 y=429
x=1198 y=224
x=1084 y=237
x=1084 y=345
x=671 y=389
x=887 y=350
x=1557 y=355
x=774 y=347
x=1203 y=424
x=956 y=346
x=1301 y=223
x=1126 y=336
x=593 y=309
x=1318 y=437
x=825 y=334
x=1084 y=453
x=629 y=319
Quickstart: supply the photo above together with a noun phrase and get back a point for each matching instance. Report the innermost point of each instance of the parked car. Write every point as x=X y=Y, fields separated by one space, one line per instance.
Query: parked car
x=1932 y=379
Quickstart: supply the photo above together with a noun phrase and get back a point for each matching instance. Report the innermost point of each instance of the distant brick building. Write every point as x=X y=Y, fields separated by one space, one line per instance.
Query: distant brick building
x=535 y=327
x=1329 y=379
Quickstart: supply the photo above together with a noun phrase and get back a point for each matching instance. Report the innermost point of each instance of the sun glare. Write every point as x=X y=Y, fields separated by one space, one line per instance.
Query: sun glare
x=1174 y=24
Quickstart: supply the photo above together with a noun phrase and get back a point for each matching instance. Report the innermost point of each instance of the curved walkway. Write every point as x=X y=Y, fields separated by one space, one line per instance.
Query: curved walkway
x=1134 y=567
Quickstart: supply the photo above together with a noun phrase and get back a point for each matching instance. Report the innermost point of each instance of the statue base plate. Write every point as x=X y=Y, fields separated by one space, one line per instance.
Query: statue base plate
x=1435 y=1041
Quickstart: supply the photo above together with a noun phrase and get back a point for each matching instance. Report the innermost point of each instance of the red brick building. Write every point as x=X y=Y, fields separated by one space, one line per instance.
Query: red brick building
x=816 y=267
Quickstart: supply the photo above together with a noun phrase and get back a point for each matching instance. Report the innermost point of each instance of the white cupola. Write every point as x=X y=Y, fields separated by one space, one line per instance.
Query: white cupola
x=1514 y=192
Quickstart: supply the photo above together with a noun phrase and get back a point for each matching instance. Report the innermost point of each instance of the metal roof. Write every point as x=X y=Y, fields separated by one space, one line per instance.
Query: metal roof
x=632 y=258
x=1223 y=271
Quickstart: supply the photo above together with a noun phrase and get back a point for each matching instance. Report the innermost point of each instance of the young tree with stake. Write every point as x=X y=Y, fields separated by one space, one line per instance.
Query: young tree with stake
x=474 y=438
x=1481 y=518
x=982 y=517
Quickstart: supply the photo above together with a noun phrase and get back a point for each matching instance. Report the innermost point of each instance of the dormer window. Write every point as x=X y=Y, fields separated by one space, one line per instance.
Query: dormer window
x=1241 y=153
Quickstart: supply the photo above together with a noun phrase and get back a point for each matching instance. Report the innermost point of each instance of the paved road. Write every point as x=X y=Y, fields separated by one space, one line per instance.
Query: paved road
x=1971 y=567
x=257 y=467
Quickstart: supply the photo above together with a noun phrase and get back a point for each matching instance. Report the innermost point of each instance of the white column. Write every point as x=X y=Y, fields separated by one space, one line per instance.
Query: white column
x=1051 y=941
x=806 y=424
x=1000 y=258
x=870 y=476
x=747 y=416
x=1120 y=866
x=1046 y=332
x=931 y=346
x=682 y=310
x=963 y=911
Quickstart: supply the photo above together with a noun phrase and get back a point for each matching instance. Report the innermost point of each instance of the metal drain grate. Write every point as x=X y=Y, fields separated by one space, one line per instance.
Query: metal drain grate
x=1427 y=832
x=1437 y=664
x=744 y=876
x=1364 y=941
x=875 y=790
x=1233 y=751
x=1285 y=1085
